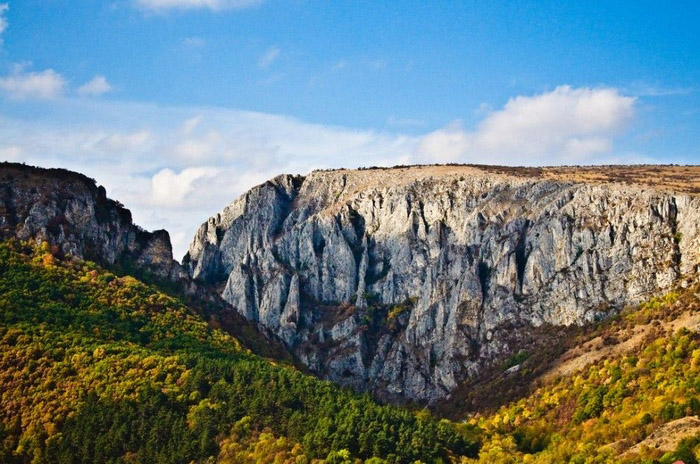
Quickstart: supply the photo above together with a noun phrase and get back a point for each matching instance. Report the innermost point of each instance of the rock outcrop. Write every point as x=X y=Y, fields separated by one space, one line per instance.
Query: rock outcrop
x=405 y=281
x=71 y=212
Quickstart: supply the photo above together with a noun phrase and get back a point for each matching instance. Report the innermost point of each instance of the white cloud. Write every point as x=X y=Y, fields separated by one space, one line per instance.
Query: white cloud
x=3 y=20
x=43 y=85
x=95 y=87
x=269 y=57
x=214 y=5
x=566 y=124
x=579 y=148
x=175 y=167
x=170 y=189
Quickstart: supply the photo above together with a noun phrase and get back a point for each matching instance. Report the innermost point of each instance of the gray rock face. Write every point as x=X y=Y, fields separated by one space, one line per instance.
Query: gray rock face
x=69 y=211
x=405 y=281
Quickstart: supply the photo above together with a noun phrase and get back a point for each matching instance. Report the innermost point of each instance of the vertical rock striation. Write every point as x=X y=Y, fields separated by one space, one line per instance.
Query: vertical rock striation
x=71 y=212
x=405 y=281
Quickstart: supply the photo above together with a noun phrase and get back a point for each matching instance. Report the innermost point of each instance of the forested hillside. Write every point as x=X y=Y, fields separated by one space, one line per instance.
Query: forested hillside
x=637 y=398
x=100 y=368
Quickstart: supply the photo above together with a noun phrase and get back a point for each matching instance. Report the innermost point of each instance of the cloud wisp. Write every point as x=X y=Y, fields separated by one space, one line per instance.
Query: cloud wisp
x=97 y=86
x=213 y=5
x=193 y=42
x=269 y=57
x=641 y=89
x=4 y=24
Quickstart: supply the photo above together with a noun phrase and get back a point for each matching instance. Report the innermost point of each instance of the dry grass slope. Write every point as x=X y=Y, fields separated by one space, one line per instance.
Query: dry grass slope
x=675 y=178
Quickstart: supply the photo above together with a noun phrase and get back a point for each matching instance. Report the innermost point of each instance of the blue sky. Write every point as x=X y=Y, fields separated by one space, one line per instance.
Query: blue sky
x=177 y=106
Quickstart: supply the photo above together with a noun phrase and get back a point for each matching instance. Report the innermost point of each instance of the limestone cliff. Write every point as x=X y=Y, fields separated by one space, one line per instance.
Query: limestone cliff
x=404 y=281
x=70 y=211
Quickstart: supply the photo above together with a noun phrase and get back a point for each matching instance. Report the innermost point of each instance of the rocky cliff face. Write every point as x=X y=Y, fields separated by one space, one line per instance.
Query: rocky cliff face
x=405 y=281
x=69 y=211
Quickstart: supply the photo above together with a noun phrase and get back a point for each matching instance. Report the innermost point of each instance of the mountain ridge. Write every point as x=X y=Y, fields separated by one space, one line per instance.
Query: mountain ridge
x=73 y=214
x=612 y=385
x=458 y=255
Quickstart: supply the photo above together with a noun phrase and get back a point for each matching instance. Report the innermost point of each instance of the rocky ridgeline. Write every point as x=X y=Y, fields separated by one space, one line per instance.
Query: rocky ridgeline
x=71 y=212
x=405 y=281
